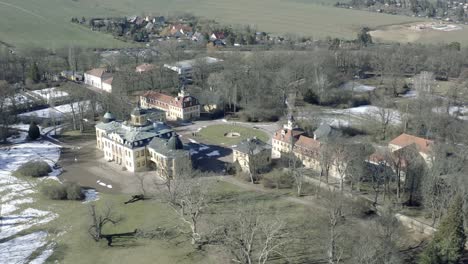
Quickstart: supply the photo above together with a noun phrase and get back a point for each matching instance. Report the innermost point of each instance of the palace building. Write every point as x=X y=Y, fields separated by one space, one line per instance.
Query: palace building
x=181 y=107
x=130 y=143
x=283 y=140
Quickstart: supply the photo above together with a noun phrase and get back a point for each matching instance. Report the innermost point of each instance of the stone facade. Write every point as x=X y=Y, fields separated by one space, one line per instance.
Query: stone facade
x=252 y=154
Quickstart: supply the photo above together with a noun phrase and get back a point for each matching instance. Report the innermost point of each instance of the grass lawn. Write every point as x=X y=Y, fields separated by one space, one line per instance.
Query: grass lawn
x=46 y=23
x=74 y=245
x=215 y=134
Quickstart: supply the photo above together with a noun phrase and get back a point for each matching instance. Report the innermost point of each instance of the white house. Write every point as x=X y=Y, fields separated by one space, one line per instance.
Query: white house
x=185 y=68
x=99 y=78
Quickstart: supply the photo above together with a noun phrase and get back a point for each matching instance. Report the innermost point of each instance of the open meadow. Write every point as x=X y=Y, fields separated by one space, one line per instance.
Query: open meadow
x=47 y=23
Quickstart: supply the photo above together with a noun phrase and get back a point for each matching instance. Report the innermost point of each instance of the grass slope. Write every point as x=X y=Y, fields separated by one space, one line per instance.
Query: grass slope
x=46 y=22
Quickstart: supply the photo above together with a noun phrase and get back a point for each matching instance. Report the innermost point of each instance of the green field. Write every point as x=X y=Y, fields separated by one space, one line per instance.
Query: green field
x=215 y=134
x=46 y=23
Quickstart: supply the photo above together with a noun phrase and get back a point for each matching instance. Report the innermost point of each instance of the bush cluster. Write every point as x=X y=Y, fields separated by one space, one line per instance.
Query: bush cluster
x=66 y=191
x=34 y=168
x=277 y=179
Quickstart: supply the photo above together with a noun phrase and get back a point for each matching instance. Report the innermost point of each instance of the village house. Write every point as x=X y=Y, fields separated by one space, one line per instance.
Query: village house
x=423 y=146
x=252 y=154
x=145 y=67
x=185 y=68
x=125 y=143
x=180 y=30
x=181 y=107
x=283 y=140
x=217 y=35
x=99 y=78
x=72 y=75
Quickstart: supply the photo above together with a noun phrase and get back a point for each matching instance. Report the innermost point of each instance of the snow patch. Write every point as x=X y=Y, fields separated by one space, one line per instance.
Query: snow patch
x=90 y=195
x=213 y=154
x=19 y=249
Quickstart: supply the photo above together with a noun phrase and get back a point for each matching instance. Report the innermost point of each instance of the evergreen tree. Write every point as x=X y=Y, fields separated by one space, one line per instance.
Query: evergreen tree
x=363 y=37
x=34 y=73
x=449 y=240
x=33 y=132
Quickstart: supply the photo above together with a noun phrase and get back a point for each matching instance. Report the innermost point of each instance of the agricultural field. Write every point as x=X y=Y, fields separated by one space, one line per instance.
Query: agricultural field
x=25 y=22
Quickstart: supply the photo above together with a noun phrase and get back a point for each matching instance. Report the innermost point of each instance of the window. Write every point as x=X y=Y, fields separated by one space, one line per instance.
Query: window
x=137 y=154
x=138 y=164
x=143 y=163
x=143 y=152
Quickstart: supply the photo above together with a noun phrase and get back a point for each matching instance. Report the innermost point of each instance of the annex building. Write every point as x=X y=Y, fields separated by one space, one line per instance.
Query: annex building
x=180 y=107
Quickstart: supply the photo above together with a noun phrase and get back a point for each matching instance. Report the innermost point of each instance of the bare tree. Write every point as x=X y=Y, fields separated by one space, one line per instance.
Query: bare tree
x=187 y=195
x=252 y=237
x=7 y=109
x=100 y=219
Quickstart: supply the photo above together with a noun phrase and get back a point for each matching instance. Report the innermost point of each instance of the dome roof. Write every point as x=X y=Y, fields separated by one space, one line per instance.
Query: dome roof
x=108 y=117
x=175 y=143
x=137 y=111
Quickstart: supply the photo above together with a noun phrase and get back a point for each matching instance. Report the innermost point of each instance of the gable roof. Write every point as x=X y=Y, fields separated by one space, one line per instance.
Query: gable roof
x=145 y=67
x=285 y=134
x=404 y=140
x=307 y=146
x=256 y=144
x=98 y=72
x=177 y=101
x=109 y=80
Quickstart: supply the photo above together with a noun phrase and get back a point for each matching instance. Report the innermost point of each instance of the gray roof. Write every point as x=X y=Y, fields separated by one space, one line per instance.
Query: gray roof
x=132 y=135
x=138 y=111
x=108 y=116
x=325 y=131
x=164 y=147
x=254 y=144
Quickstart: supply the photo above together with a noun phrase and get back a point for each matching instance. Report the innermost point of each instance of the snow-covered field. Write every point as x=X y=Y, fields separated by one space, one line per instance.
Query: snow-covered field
x=50 y=93
x=19 y=99
x=357 y=87
x=370 y=112
x=460 y=112
x=55 y=112
x=20 y=223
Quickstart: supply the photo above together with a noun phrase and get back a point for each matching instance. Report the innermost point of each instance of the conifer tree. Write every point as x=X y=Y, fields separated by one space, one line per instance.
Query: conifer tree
x=449 y=240
x=33 y=132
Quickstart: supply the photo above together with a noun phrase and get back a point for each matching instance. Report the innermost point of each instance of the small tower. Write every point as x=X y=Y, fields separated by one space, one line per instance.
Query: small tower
x=138 y=117
x=291 y=124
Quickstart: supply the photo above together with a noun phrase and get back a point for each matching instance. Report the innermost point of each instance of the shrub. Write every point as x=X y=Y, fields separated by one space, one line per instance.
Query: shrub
x=33 y=132
x=34 y=168
x=277 y=179
x=66 y=191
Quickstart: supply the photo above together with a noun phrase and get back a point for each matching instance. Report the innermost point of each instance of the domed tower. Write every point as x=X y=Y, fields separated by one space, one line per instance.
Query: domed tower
x=183 y=91
x=175 y=143
x=108 y=117
x=138 y=117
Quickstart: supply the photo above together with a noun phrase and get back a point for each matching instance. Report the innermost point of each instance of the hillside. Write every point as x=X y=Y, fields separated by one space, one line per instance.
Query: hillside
x=26 y=22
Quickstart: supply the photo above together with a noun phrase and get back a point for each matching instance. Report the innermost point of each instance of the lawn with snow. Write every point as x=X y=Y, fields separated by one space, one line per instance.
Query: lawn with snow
x=370 y=112
x=50 y=93
x=357 y=87
x=56 y=111
x=17 y=199
x=213 y=154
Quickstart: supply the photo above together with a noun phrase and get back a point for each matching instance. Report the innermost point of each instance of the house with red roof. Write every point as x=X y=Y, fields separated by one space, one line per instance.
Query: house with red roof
x=99 y=78
x=284 y=139
x=180 y=107
x=307 y=150
x=422 y=146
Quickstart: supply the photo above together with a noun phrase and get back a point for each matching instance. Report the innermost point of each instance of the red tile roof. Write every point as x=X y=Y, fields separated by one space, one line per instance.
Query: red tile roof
x=98 y=72
x=109 y=80
x=145 y=67
x=307 y=146
x=295 y=133
x=166 y=100
x=404 y=140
